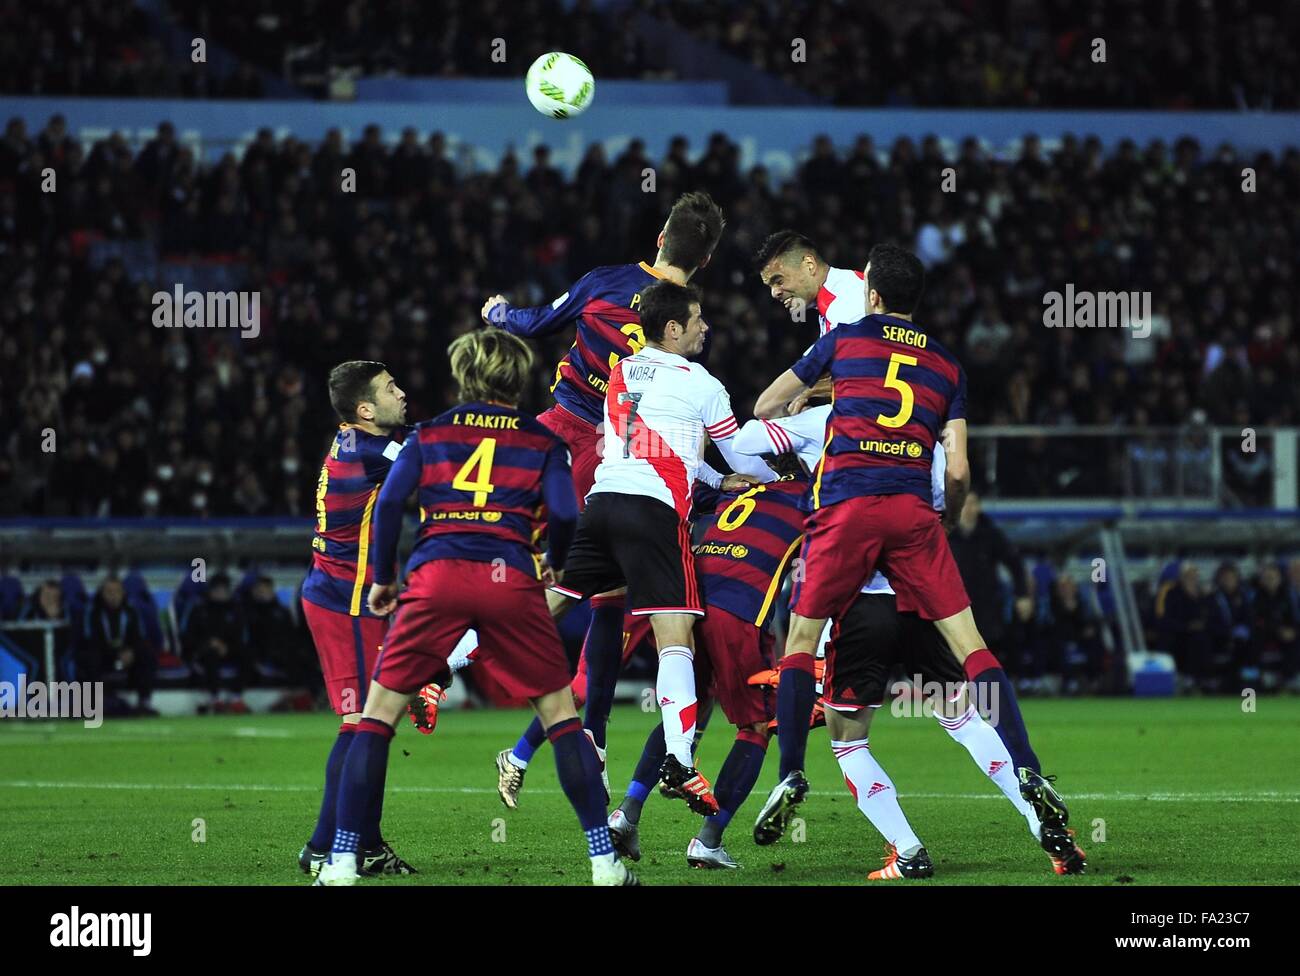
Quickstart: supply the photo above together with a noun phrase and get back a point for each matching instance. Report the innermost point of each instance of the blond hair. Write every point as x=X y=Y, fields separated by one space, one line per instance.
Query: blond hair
x=490 y=364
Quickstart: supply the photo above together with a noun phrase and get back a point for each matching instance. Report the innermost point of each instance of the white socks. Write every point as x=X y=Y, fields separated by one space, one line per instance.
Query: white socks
x=462 y=655
x=675 y=688
x=875 y=794
x=981 y=740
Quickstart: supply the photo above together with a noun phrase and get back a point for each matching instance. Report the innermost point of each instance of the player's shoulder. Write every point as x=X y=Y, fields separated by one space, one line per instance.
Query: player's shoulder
x=615 y=275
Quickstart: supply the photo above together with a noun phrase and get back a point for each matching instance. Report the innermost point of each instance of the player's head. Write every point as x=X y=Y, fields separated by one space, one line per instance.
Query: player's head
x=895 y=280
x=691 y=232
x=489 y=364
x=671 y=319
x=791 y=268
x=365 y=393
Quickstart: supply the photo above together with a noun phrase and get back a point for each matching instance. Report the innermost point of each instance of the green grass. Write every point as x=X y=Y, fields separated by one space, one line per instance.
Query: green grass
x=1191 y=792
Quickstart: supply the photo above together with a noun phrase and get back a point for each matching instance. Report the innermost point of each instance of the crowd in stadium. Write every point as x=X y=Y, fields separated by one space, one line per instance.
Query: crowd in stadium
x=397 y=268
x=1225 y=54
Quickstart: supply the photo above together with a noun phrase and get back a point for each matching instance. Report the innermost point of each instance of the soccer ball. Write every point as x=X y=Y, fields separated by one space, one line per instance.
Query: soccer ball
x=560 y=85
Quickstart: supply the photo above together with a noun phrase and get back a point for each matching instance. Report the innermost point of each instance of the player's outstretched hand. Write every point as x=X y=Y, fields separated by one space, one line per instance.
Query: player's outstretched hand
x=550 y=575
x=382 y=599
x=490 y=308
x=738 y=482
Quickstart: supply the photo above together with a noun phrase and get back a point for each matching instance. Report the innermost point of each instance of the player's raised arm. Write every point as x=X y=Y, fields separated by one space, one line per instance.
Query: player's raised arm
x=720 y=426
x=799 y=378
x=539 y=320
x=773 y=401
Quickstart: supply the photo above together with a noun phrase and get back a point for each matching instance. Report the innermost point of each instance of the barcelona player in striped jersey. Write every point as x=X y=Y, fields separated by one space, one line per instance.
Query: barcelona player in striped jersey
x=869 y=641
x=372 y=413
x=485 y=476
x=798 y=277
x=740 y=562
x=604 y=309
x=895 y=389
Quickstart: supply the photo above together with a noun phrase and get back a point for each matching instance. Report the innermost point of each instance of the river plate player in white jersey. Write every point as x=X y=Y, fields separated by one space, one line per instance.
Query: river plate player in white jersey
x=660 y=411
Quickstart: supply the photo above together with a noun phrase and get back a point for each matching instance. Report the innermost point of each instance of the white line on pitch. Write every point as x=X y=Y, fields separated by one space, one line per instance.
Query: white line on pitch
x=1259 y=797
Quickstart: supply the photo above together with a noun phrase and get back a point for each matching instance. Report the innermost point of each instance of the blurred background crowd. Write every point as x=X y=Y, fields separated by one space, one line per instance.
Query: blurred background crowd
x=397 y=268
x=1211 y=54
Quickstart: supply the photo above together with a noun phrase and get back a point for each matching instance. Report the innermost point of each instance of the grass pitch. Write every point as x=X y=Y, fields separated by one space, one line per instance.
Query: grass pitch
x=1161 y=792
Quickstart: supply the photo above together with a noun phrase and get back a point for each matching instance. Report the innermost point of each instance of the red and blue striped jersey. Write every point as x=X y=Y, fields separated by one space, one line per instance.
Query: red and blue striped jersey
x=603 y=305
x=481 y=485
x=341 y=569
x=894 y=389
x=743 y=554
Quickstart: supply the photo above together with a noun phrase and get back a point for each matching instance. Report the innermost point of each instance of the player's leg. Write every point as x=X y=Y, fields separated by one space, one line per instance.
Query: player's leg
x=361 y=784
x=838 y=555
x=733 y=649
x=926 y=579
x=347 y=647
x=426 y=627
x=678 y=707
x=874 y=793
x=523 y=652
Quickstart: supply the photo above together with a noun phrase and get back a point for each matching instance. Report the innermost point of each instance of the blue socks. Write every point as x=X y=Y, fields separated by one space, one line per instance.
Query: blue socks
x=604 y=661
x=796 y=694
x=736 y=780
x=530 y=741
x=363 y=776
x=323 y=836
x=995 y=694
x=646 y=773
x=578 y=768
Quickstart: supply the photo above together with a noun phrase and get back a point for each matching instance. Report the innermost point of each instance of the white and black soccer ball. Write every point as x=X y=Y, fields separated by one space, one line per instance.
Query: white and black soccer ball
x=560 y=85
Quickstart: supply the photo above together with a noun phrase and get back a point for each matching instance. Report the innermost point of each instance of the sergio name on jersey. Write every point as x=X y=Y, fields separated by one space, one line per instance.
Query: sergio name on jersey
x=341 y=570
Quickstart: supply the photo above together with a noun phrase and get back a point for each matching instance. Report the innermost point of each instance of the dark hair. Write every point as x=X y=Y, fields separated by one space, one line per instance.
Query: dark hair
x=352 y=384
x=665 y=302
x=694 y=226
x=898 y=277
x=780 y=243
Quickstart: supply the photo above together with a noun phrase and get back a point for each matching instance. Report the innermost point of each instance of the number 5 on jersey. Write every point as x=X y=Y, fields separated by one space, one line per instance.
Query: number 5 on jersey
x=476 y=473
x=892 y=382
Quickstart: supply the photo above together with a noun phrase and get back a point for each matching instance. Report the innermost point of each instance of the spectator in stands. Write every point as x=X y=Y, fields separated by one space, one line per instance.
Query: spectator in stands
x=1185 y=619
x=216 y=637
x=1232 y=624
x=1075 y=634
x=46 y=604
x=113 y=649
x=275 y=641
x=1276 y=629
x=980 y=547
x=410 y=263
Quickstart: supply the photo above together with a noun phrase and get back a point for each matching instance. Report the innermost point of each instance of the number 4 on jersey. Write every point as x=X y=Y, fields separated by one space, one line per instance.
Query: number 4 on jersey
x=479 y=464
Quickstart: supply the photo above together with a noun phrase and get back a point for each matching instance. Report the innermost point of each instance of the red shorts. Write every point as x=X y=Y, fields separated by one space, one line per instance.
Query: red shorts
x=635 y=630
x=581 y=438
x=900 y=535
x=518 y=643
x=348 y=648
x=727 y=651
